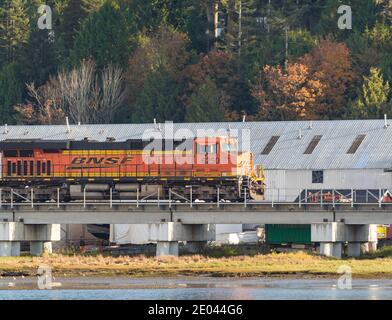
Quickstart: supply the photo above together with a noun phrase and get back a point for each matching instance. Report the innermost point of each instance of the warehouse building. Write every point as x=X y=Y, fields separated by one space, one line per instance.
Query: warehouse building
x=297 y=155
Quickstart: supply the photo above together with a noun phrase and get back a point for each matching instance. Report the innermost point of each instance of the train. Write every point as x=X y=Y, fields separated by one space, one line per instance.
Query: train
x=132 y=169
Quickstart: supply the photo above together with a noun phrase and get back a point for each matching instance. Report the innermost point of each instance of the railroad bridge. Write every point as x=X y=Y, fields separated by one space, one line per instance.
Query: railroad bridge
x=335 y=220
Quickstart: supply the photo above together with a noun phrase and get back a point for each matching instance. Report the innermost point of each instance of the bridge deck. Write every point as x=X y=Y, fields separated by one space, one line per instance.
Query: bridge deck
x=198 y=213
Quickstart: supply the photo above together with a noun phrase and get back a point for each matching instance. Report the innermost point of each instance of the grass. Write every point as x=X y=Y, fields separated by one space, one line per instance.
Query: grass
x=274 y=264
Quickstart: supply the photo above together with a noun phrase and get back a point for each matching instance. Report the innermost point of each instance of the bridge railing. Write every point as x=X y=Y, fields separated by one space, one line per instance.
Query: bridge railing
x=273 y=197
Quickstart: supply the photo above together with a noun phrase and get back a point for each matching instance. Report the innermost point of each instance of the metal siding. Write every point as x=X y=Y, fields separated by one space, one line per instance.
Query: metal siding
x=290 y=181
x=330 y=153
x=287 y=234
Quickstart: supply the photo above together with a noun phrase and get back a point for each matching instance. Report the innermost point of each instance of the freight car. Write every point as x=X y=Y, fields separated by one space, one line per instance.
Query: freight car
x=71 y=170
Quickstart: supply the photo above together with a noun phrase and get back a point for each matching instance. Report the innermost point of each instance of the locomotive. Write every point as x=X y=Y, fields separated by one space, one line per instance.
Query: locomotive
x=74 y=170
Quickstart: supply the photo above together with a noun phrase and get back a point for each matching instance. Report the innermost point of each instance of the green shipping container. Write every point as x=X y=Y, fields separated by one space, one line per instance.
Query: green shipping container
x=288 y=234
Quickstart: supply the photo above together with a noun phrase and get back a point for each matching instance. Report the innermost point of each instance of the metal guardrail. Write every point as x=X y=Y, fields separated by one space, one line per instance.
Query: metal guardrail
x=301 y=198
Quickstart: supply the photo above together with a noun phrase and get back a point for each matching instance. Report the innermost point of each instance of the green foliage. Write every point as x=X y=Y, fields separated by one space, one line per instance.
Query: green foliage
x=374 y=96
x=10 y=91
x=202 y=84
x=14 y=29
x=204 y=104
x=104 y=37
x=158 y=99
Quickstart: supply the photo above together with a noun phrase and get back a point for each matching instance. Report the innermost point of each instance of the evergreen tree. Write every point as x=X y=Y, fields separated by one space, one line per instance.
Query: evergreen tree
x=39 y=56
x=72 y=14
x=374 y=96
x=105 y=37
x=158 y=99
x=14 y=30
x=204 y=104
x=10 y=91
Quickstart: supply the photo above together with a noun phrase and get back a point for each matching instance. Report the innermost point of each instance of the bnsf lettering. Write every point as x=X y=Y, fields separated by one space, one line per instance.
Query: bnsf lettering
x=96 y=161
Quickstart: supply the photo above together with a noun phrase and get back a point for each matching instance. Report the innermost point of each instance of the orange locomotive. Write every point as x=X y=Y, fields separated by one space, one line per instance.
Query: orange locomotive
x=130 y=169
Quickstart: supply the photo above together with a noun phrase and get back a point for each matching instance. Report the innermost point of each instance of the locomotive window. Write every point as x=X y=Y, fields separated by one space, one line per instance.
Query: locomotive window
x=10 y=153
x=31 y=168
x=38 y=168
x=25 y=168
x=13 y=168
x=229 y=147
x=19 y=173
x=211 y=148
x=201 y=148
x=9 y=168
x=26 y=153
x=43 y=167
x=49 y=168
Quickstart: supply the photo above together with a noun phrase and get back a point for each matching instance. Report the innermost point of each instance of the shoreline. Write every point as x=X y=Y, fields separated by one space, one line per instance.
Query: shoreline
x=284 y=265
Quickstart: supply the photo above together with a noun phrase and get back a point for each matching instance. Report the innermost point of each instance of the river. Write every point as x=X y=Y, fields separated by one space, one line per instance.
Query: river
x=201 y=288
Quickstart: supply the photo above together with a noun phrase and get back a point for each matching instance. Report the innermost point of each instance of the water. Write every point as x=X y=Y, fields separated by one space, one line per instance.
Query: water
x=202 y=288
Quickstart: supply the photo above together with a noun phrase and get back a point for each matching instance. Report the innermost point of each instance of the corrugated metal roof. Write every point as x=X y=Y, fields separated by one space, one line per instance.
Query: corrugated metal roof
x=288 y=153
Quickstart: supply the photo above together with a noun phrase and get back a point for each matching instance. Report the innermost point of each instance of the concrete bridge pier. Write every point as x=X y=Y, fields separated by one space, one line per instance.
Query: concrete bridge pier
x=361 y=239
x=169 y=234
x=11 y=234
x=40 y=237
x=332 y=235
x=331 y=249
x=38 y=248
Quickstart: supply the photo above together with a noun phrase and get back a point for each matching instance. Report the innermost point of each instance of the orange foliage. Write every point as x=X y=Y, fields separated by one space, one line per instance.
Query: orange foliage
x=317 y=86
x=330 y=63
x=292 y=92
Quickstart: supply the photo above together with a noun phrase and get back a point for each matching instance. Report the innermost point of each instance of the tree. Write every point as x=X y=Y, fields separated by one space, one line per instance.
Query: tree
x=384 y=10
x=14 y=30
x=38 y=59
x=219 y=67
x=105 y=37
x=71 y=16
x=374 y=96
x=330 y=63
x=204 y=104
x=10 y=91
x=83 y=94
x=158 y=99
x=162 y=56
x=287 y=94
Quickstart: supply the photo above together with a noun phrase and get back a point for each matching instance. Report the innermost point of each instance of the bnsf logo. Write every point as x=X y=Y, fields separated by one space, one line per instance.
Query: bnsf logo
x=101 y=161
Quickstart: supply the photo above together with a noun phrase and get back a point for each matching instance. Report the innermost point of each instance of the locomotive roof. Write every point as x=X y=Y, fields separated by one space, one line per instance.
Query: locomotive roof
x=306 y=145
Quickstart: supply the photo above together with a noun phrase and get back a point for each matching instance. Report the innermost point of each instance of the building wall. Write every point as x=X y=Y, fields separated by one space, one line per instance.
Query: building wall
x=285 y=185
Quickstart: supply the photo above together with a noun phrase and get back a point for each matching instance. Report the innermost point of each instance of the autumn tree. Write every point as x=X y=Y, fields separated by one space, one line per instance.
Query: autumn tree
x=287 y=94
x=330 y=63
